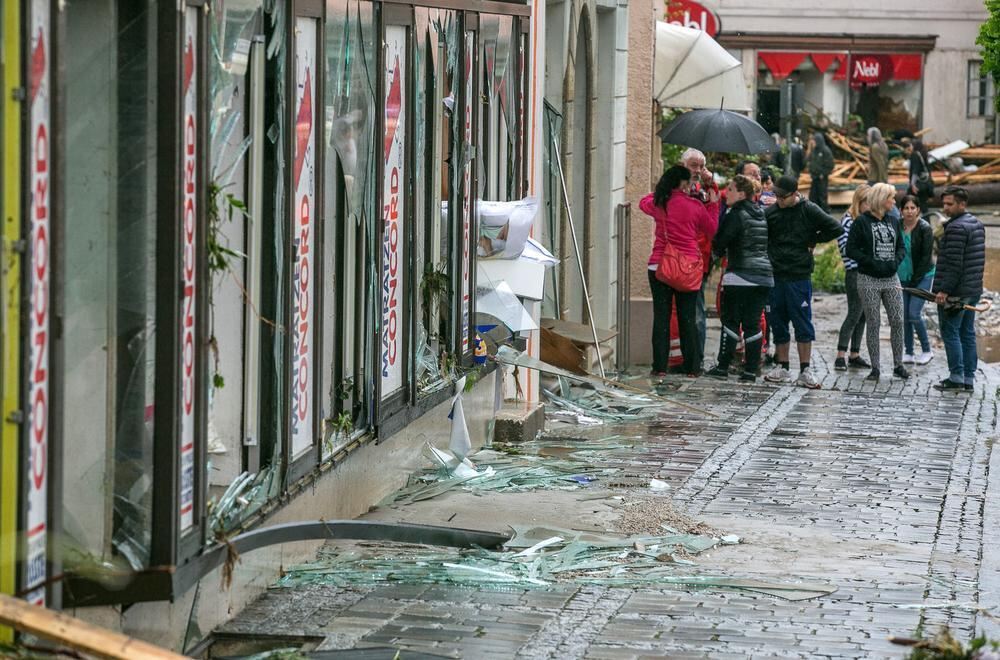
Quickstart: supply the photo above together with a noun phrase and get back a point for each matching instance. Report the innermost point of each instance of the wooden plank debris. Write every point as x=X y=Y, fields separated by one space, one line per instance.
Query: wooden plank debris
x=73 y=633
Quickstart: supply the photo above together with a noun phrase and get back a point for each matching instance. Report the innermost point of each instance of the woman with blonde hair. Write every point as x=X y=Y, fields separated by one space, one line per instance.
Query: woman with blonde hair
x=853 y=327
x=875 y=242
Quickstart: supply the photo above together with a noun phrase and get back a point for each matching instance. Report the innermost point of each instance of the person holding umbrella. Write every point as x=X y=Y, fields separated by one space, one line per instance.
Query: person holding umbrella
x=702 y=182
x=682 y=222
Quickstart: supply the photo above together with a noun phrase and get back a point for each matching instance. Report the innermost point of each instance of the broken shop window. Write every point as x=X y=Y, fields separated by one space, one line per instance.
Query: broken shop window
x=108 y=279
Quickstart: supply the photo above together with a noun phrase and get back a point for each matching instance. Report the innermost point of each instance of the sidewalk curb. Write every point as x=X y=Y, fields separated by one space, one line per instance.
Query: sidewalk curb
x=989 y=567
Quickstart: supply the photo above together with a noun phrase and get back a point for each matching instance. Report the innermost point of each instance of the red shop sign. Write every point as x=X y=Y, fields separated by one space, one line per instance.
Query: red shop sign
x=870 y=69
x=690 y=14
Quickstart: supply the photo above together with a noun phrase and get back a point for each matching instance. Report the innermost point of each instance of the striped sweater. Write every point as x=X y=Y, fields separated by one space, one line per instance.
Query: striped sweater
x=845 y=223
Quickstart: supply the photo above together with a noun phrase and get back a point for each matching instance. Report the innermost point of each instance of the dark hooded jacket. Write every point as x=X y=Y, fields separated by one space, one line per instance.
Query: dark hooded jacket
x=961 y=258
x=820 y=158
x=791 y=235
x=742 y=239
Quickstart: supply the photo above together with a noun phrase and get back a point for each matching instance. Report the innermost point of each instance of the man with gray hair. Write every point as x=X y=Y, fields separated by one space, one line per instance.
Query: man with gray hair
x=702 y=182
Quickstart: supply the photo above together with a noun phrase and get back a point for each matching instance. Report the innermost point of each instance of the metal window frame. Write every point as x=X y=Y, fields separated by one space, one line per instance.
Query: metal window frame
x=10 y=298
x=298 y=467
x=396 y=412
x=174 y=563
x=983 y=100
x=469 y=24
x=22 y=225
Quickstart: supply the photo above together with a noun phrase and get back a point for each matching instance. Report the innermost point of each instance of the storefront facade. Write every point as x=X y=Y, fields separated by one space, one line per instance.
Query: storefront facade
x=898 y=65
x=230 y=274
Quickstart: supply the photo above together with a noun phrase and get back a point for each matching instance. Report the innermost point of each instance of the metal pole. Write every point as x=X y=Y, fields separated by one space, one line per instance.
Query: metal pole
x=579 y=262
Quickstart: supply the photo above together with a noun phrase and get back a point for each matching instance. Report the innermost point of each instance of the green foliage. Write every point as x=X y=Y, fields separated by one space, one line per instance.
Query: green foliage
x=989 y=41
x=221 y=207
x=828 y=275
x=342 y=423
x=944 y=646
x=671 y=153
x=345 y=389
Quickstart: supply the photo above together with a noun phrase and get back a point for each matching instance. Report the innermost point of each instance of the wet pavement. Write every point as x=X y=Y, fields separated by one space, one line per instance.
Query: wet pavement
x=881 y=490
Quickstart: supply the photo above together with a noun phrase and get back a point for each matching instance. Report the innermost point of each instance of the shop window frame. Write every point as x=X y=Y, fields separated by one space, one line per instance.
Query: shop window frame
x=467 y=99
x=173 y=567
x=309 y=460
x=983 y=103
x=395 y=411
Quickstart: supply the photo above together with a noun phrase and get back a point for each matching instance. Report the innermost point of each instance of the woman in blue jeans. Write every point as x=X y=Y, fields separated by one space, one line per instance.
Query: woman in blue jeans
x=916 y=271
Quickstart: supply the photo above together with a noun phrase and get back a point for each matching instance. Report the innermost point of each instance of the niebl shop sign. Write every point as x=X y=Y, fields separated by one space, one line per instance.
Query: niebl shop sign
x=690 y=14
x=870 y=69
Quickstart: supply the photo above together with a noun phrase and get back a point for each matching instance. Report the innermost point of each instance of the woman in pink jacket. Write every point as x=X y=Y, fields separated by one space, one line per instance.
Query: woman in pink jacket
x=685 y=222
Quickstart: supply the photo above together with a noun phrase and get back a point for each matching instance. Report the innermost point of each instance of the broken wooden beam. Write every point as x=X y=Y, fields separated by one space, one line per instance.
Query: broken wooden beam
x=78 y=635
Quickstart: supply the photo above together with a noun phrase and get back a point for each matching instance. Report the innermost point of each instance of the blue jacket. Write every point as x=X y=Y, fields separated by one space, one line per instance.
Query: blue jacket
x=961 y=258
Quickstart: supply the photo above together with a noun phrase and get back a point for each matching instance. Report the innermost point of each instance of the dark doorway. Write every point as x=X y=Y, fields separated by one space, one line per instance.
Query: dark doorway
x=769 y=109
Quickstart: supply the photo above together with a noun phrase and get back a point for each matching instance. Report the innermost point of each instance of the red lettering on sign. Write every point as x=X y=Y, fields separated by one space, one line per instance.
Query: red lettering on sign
x=39 y=415
x=188 y=268
x=694 y=15
x=303 y=304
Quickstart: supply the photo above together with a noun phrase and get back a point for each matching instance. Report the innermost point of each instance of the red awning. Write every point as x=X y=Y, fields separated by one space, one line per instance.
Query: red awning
x=841 y=73
x=907 y=67
x=824 y=60
x=781 y=65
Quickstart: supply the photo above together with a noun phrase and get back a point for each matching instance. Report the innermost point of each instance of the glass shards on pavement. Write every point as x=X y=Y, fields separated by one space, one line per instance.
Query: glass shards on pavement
x=495 y=471
x=540 y=557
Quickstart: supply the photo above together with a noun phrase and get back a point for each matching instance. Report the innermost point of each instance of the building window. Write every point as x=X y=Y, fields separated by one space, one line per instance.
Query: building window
x=981 y=91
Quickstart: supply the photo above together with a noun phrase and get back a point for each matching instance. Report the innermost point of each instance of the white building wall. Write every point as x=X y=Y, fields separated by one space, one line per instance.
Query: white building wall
x=954 y=23
x=608 y=102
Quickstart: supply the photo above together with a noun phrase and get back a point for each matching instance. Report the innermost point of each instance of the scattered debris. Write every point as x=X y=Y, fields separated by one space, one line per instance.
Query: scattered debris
x=654 y=515
x=552 y=556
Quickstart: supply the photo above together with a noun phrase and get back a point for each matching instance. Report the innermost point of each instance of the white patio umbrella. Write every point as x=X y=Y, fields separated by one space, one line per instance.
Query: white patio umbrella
x=691 y=70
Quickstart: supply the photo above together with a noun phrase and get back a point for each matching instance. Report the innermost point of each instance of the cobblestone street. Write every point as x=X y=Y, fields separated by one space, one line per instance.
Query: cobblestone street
x=881 y=490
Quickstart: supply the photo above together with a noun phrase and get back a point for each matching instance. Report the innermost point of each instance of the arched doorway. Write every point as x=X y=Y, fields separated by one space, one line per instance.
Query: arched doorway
x=577 y=142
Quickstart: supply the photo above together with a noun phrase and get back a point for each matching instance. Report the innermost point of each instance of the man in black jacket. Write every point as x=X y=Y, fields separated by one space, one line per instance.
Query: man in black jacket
x=794 y=227
x=958 y=281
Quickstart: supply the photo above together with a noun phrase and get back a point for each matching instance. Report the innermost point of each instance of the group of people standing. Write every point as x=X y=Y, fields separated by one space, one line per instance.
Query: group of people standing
x=765 y=233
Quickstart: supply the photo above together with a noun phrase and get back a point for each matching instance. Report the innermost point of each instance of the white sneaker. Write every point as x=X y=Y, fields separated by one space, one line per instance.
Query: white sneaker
x=924 y=357
x=807 y=378
x=908 y=359
x=778 y=375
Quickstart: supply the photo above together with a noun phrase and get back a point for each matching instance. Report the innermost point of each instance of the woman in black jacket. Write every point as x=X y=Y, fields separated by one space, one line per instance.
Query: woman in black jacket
x=876 y=243
x=742 y=239
x=916 y=271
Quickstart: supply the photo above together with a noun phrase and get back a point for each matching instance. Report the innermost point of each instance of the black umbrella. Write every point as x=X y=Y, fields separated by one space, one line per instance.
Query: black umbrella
x=953 y=304
x=718 y=130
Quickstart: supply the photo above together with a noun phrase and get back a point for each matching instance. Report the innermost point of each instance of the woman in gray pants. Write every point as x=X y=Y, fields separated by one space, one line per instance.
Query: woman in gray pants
x=876 y=243
x=853 y=327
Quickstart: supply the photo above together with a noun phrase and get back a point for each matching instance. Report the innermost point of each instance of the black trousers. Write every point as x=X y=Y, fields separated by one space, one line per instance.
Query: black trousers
x=687 y=301
x=818 y=192
x=742 y=307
